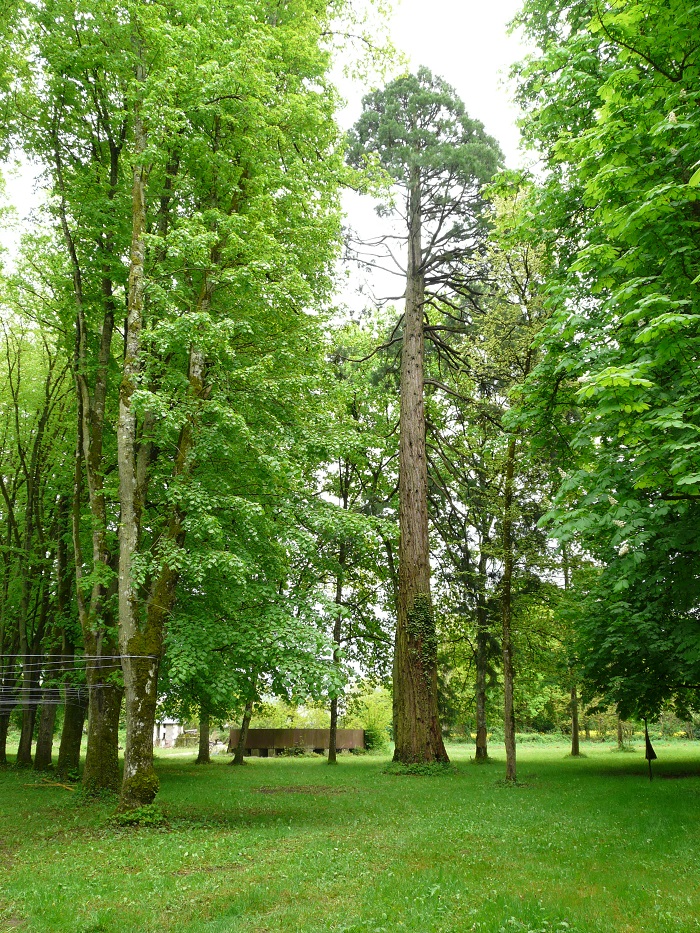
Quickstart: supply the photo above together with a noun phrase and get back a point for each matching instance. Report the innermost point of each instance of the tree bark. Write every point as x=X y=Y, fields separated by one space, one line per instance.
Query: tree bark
x=44 y=741
x=507 y=615
x=101 y=771
x=243 y=737
x=74 y=715
x=417 y=733
x=620 y=735
x=4 y=726
x=203 y=757
x=575 y=747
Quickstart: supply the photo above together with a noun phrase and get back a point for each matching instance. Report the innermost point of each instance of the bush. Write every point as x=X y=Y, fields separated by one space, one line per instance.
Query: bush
x=376 y=738
x=148 y=815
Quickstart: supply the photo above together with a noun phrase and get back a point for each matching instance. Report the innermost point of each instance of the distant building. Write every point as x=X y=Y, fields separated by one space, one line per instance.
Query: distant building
x=165 y=731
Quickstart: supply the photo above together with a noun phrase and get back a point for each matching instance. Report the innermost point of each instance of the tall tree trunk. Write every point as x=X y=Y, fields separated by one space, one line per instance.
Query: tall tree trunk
x=203 y=758
x=620 y=734
x=417 y=731
x=482 y=643
x=32 y=675
x=575 y=747
x=96 y=622
x=44 y=744
x=243 y=737
x=140 y=645
x=507 y=615
x=337 y=632
x=24 y=749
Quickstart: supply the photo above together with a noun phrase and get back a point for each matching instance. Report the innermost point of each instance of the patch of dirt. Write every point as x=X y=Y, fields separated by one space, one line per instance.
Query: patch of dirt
x=302 y=789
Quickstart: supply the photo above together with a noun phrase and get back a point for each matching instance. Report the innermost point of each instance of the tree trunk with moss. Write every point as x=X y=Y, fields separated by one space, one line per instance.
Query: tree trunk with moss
x=417 y=733
x=44 y=741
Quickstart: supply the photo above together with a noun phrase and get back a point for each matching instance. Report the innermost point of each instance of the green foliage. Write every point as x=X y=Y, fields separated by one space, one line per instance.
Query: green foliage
x=420 y=769
x=148 y=816
x=421 y=630
x=611 y=95
x=370 y=708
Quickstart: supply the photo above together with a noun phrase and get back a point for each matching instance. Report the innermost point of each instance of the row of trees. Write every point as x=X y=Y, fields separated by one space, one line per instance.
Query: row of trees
x=209 y=495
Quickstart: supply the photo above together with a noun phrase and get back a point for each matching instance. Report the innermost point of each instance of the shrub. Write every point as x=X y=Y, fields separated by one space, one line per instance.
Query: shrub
x=376 y=738
x=148 y=815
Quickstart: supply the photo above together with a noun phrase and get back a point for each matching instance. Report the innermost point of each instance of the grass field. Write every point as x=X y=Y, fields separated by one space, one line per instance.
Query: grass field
x=583 y=845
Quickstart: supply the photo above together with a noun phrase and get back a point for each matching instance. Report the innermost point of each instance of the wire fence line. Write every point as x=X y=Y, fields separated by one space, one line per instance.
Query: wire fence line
x=52 y=673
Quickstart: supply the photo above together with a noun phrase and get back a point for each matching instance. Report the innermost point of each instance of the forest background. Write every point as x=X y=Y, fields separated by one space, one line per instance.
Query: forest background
x=203 y=469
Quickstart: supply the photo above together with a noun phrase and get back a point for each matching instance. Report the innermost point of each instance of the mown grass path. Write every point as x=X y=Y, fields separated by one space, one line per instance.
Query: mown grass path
x=292 y=845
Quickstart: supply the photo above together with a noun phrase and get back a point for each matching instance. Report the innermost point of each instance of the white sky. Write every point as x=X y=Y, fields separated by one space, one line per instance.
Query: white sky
x=466 y=42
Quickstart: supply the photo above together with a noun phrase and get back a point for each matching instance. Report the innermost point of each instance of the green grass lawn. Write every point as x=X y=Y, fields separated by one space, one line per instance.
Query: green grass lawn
x=583 y=845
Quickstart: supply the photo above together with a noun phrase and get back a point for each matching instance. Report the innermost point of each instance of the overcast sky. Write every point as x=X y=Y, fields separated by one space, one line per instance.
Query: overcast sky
x=467 y=43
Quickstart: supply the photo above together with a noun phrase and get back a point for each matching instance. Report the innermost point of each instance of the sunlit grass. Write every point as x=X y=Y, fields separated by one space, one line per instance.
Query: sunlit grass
x=586 y=845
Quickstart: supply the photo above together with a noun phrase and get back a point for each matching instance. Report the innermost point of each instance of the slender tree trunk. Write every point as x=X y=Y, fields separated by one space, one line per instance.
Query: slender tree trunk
x=620 y=735
x=417 y=732
x=243 y=737
x=507 y=615
x=4 y=726
x=337 y=631
x=587 y=729
x=203 y=758
x=575 y=748
x=482 y=641
x=140 y=643
x=24 y=749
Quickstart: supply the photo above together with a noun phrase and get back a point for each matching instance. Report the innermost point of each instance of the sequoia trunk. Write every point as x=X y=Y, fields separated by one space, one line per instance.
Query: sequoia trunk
x=417 y=731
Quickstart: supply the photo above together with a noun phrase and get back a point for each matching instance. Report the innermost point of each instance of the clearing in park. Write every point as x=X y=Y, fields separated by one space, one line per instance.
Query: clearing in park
x=291 y=845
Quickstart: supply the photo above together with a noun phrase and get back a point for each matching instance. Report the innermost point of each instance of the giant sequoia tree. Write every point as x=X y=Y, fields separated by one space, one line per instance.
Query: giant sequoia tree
x=437 y=158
